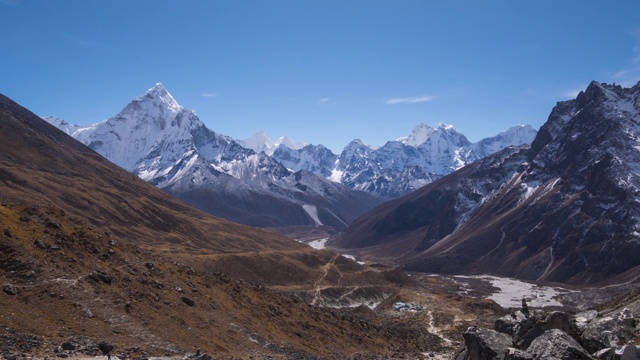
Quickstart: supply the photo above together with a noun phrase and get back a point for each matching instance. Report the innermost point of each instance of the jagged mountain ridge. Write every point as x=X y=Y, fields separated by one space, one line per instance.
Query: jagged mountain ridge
x=564 y=209
x=260 y=141
x=163 y=143
x=401 y=166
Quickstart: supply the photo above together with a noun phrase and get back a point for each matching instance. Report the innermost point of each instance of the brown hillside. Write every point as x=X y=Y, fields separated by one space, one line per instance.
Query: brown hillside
x=90 y=253
x=39 y=164
x=78 y=284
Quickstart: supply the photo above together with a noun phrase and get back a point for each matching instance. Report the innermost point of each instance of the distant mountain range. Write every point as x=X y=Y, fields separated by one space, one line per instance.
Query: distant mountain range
x=260 y=141
x=268 y=183
x=167 y=145
x=564 y=209
x=396 y=168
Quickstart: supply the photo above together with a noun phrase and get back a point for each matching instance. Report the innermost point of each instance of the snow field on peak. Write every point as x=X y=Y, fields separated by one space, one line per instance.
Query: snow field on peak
x=260 y=141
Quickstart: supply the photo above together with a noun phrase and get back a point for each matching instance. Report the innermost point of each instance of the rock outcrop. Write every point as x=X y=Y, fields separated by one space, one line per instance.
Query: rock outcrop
x=553 y=336
x=483 y=344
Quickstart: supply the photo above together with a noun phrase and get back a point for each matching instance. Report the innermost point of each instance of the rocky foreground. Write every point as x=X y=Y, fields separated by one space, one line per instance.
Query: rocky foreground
x=529 y=335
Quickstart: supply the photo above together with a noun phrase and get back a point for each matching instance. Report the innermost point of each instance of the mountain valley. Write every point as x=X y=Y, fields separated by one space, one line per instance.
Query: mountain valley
x=96 y=261
x=94 y=256
x=564 y=209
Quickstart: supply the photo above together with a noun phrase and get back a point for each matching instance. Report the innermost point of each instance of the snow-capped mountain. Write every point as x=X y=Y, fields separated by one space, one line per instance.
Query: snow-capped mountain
x=260 y=141
x=61 y=124
x=514 y=136
x=288 y=142
x=314 y=158
x=401 y=166
x=164 y=143
x=564 y=209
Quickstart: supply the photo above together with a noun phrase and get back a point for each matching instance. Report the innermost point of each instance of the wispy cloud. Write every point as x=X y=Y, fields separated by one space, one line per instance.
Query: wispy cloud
x=210 y=95
x=326 y=102
x=410 y=100
x=630 y=75
x=8 y=2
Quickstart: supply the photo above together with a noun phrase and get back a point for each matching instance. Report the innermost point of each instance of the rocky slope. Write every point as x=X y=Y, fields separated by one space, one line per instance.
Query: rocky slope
x=164 y=143
x=564 y=209
x=528 y=334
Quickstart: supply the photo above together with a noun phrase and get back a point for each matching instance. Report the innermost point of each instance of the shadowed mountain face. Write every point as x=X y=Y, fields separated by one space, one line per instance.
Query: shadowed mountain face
x=90 y=253
x=565 y=209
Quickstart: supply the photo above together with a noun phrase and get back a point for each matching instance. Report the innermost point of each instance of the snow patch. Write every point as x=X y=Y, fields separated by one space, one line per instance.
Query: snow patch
x=319 y=244
x=529 y=189
x=511 y=292
x=336 y=175
x=312 y=210
x=353 y=258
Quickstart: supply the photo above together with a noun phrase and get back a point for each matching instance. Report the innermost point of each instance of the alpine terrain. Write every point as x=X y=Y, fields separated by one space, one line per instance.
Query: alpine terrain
x=564 y=209
x=95 y=261
x=167 y=145
x=401 y=166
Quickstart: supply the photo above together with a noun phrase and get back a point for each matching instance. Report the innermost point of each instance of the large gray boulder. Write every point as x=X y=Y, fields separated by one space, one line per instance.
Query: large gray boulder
x=582 y=319
x=555 y=344
x=508 y=323
x=606 y=332
x=627 y=352
x=483 y=344
x=531 y=328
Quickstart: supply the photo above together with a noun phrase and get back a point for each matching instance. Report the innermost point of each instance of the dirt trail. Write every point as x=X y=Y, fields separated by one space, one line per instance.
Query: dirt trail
x=432 y=328
x=325 y=272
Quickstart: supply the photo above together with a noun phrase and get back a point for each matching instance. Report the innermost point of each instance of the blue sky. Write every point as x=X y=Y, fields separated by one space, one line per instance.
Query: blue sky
x=318 y=71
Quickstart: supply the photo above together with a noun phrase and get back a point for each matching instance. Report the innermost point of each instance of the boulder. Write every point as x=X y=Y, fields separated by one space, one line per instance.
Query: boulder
x=555 y=344
x=105 y=347
x=40 y=244
x=68 y=346
x=627 y=352
x=188 y=301
x=517 y=354
x=10 y=289
x=53 y=225
x=627 y=317
x=484 y=344
x=99 y=276
x=605 y=333
x=507 y=323
x=536 y=325
x=584 y=318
